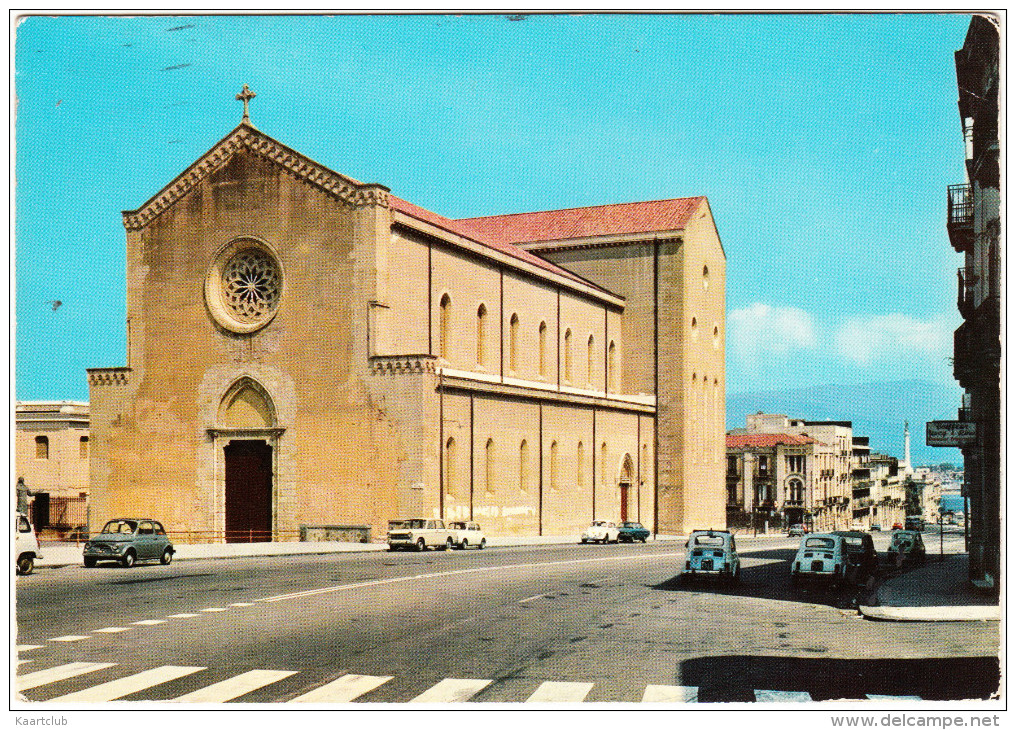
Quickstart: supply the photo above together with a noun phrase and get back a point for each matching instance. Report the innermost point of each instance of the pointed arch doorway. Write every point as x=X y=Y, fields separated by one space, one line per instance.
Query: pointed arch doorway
x=247 y=440
x=625 y=480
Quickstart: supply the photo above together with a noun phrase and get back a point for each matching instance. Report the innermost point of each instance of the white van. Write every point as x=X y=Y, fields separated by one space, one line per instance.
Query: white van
x=26 y=545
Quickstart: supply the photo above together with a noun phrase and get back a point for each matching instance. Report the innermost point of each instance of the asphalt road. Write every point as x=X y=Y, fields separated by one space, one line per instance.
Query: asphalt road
x=592 y=623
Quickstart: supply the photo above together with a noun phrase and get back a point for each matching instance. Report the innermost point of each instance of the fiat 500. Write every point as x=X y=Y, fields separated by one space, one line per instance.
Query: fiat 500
x=600 y=531
x=820 y=558
x=711 y=553
x=127 y=540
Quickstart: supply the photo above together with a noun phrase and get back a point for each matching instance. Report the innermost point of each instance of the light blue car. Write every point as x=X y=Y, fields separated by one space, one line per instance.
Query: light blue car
x=711 y=553
x=128 y=540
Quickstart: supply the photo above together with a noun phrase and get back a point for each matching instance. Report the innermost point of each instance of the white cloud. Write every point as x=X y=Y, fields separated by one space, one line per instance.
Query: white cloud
x=865 y=340
x=760 y=331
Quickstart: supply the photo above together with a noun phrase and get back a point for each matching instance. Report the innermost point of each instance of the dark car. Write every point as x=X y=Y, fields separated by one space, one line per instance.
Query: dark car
x=128 y=540
x=861 y=555
x=907 y=546
x=632 y=531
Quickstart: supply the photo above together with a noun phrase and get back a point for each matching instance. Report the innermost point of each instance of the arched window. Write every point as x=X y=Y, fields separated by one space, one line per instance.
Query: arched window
x=580 y=465
x=83 y=446
x=490 y=466
x=612 y=368
x=524 y=466
x=481 y=335
x=42 y=447
x=553 y=466
x=513 y=344
x=589 y=361
x=567 y=356
x=445 y=328
x=449 y=465
x=603 y=463
x=543 y=349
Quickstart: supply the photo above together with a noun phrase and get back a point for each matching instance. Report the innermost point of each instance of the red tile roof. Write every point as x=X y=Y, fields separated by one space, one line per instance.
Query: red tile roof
x=462 y=228
x=767 y=440
x=599 y=220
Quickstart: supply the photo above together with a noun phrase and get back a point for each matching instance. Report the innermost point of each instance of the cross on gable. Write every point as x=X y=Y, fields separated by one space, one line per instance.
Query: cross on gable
x=245 y=96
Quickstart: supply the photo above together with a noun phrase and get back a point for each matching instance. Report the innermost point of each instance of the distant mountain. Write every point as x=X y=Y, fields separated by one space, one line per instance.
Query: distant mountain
x=878 y=410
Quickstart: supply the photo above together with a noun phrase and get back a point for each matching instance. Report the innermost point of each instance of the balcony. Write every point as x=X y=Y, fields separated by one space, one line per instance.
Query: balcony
x=977 y=349
x=961 y=217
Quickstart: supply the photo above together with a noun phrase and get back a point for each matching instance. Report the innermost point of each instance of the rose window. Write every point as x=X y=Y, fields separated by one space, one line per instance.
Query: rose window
x=251 y=285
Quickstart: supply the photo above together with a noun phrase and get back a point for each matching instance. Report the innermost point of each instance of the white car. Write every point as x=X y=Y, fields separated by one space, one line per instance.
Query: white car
x=26 y=546
x=418 y=534
x=821 y=557
x=600 y=531
x=466 y=534
x=711 y=553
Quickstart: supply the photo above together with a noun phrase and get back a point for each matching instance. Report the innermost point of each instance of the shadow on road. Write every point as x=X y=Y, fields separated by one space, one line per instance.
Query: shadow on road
x=771 y=580
x=733 y=678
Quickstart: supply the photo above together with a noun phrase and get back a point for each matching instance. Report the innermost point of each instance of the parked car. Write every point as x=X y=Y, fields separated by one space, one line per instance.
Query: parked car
x=26 y=545
x=128 y=540
x=419 y=534
x=875 y=527
x=711 y=553
x=821 y=557
x=632 y=531
x=796 y=531
x=897 y=526
x=600 y=531
x=465 y=534
x=914 y=523
x=907 y=546
x=861 y=555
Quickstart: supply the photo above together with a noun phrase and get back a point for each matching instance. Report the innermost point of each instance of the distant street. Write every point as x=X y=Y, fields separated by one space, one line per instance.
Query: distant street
x=595 y=623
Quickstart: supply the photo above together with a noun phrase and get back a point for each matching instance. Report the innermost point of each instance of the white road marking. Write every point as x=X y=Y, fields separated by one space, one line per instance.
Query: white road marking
x=896 y=698
x=182 y=615
x=69 y=637
x=23 y=661
x=111 y=630
x=27 y=647
x=241 y=605
x=148 y=622
x=452 y=690
x=234 y=687
x=561 y=692
x=55 y=674
x=533 y=598
x=772 y=695
x=669 y=693
x=212 y=610
x=128 y=685
x=344 y=689
x=446 y=573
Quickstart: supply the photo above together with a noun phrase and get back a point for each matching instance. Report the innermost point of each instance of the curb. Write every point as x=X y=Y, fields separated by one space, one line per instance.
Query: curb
x=931 y=613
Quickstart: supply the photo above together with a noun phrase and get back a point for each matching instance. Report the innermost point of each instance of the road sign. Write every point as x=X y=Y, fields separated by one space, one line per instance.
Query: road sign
x=950 y=433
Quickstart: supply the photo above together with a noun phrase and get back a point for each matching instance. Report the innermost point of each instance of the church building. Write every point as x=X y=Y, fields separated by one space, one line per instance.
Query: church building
x=304 y=349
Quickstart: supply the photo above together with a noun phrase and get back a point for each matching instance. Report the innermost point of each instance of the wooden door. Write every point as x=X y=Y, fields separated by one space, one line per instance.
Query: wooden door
x=248 y=491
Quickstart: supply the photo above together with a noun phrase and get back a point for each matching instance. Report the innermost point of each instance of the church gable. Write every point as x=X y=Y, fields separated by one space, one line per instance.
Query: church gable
x=242 y=151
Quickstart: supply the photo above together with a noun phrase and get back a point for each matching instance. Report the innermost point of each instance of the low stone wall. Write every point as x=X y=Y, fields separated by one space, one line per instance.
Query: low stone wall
x=335 y=533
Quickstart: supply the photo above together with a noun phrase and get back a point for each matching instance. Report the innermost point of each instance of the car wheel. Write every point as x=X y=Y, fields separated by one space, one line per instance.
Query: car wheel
x=167 y=557
x=643 y=541
x=392 y=548
x=128 y=559
x=583 y=541
x=449 y=544
x=26 y=564
x=483 y=543
x=464 y=545
x=421 y=545
x=90 y=562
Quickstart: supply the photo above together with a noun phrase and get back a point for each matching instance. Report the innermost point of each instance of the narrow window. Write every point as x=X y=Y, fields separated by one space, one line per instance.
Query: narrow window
x=567 y=356
x=543 y=349
x=449 y=482
x=513 y=344
x=553 y=465
x=481 y=335
x=580 y=468
x=603 y=463
x=490 y=466
x=524 y=466
x=444 y=336
x=83 y=445
x=41 y=447
x=612 y=368
x=589 y=361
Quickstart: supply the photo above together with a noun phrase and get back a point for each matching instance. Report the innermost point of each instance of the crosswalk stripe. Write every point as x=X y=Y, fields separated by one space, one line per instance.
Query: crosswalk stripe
x=23 y=661
x=69 y=637
x=111 y=630
x=27 y=647
x=55 y=674
x=670 y=693
x=149 y=622
x=212 y=610
x=182 y=615
x=773 y=695
x=561 y=692
x=894 y=698
x=128 y=685
x=452 y=690
x=234 y=687
x=344 y=689
x=241 y=605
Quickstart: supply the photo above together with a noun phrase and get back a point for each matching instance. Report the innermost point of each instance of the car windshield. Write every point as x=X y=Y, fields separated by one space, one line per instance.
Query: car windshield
x=709 y=540
x=413 y=524
x=630 y=524
x=820 y=542
x=598 y=523
x=902 y=537
x=457 y=525
x=120 y=526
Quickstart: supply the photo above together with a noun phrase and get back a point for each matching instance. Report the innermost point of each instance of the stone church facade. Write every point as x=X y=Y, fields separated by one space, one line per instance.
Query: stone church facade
x=306 y=349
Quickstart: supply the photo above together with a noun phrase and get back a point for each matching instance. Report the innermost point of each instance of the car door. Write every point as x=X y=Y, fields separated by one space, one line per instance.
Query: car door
x=161 y=539
x=144 y=541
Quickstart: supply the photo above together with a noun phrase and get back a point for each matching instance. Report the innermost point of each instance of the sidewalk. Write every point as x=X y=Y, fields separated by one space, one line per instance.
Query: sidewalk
x=936 y=591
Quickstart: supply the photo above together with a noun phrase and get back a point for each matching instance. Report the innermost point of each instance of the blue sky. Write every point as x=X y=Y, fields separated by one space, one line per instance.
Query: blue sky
x=824 y=143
